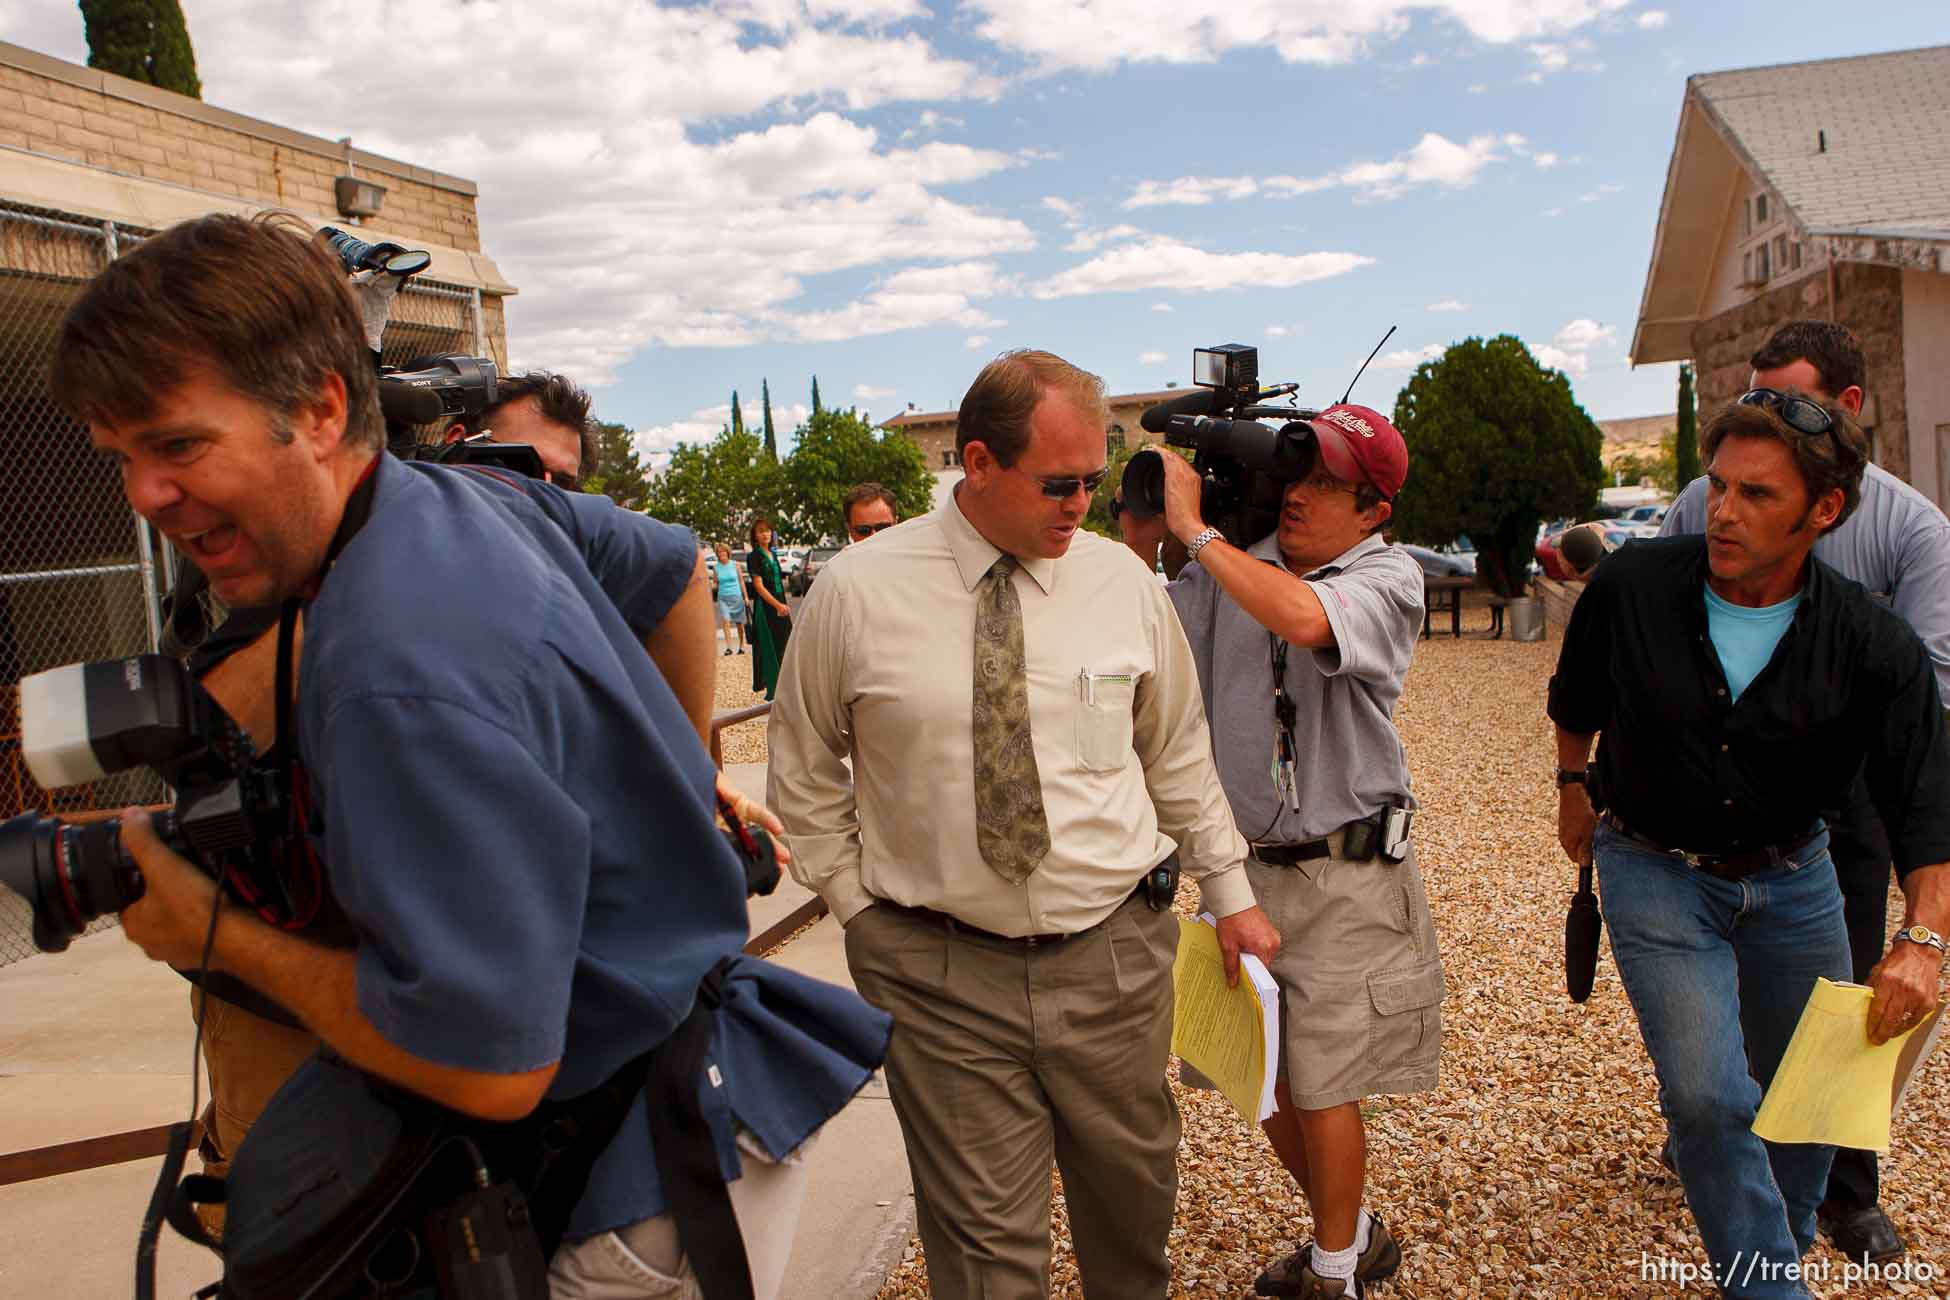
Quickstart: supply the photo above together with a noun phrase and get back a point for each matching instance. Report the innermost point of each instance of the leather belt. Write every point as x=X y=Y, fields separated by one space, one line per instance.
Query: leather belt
x=955 y=925
x=1723 y=866
x=1292 y=855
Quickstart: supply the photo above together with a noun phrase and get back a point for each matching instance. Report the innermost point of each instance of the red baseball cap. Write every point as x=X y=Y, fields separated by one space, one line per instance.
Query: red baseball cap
x=1358 y=445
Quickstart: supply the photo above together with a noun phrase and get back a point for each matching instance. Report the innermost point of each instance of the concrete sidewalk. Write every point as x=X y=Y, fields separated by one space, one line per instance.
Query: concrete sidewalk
x=97 y=1040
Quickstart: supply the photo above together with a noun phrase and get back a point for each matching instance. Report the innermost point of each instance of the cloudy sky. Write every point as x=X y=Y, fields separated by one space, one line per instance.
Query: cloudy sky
x=886 y=193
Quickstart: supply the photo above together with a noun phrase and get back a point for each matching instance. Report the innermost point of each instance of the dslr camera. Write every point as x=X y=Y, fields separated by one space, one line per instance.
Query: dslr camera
x=1244 y=462
x=86 y=721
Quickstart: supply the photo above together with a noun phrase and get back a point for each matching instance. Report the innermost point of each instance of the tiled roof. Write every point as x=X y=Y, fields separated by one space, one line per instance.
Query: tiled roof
x=1885 y=122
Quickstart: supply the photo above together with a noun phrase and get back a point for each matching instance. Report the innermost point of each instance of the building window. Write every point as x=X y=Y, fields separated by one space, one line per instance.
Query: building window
x=1760 y=210
x=947 y=459
x=1794 y=255
x=1114 y=440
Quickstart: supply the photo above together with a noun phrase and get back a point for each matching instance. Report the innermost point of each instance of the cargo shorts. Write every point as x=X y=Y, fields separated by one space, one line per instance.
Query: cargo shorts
x=1359 y=976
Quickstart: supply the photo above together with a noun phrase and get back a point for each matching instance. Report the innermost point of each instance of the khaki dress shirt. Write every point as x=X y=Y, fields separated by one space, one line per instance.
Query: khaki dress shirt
x=880 y=673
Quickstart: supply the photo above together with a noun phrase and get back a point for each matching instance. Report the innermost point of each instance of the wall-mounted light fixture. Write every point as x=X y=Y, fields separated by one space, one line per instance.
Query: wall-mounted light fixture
x=358 y=197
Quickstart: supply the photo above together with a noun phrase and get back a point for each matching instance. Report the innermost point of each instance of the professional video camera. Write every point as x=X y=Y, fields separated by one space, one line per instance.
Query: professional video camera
x=85 y=721
x=1245 y=464
x=451 y=388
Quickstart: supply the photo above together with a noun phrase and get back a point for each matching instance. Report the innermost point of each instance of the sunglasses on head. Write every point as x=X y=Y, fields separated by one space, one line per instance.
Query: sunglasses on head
x=868 y=530
x=1798 y=413
x=1061 y=489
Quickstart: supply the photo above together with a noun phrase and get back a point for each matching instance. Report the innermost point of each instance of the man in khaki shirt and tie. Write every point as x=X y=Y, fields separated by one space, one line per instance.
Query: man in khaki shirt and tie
x=1023 y=719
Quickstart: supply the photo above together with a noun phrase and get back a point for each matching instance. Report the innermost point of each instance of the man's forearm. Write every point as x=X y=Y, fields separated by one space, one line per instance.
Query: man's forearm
x=1573 y=750
x=1279 y=602
x=320 y=986
x=685 y=648
x=1926 y=897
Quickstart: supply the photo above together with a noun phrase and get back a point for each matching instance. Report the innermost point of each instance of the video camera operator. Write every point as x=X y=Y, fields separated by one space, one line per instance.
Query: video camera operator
x=472 y=736
x=1318 y=783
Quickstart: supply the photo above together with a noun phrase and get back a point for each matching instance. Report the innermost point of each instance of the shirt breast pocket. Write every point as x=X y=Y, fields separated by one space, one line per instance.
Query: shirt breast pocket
x=1104 y=720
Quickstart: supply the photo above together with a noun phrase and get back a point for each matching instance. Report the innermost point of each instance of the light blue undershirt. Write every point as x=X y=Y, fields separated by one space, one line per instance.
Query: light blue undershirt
x=1745 y=636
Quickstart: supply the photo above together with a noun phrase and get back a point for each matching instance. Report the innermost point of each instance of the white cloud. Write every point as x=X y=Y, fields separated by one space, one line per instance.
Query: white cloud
x=1033 y=154
x=1153 y=358
x=1582 y=335
x=1434 y=160
x=1652 y=20
x=1545 y=161
x=1551 y=58
x=976 y=340
x=909 y=299
x=1100 y=34
x=1409 y=358
x=1420 y=61
x=1087 y=241
x=1277 y=331
x=1161 y=263
x=1609 y=187
x=1477 y=88
x=1192 y=190
x=1071 y=213
x=1448 y=304
x=1553 y=212
x=632 y=181
x=868 y=393
x=1162 y=306
x=1569 y=350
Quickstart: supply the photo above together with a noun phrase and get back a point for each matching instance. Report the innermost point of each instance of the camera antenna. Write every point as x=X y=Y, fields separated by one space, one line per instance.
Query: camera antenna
x=1364 y=365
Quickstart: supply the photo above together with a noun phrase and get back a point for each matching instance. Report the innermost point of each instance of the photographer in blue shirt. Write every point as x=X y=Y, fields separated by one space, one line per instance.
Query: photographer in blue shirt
x=516 y=812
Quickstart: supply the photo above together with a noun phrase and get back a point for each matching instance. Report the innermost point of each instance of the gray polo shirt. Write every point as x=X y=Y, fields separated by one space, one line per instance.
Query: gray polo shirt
x=1349 y=759
x=1895 y=543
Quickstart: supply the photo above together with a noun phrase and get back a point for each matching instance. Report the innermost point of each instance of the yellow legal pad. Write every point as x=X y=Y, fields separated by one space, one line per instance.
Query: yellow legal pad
x=1231 y=1035
x=1834 y=1087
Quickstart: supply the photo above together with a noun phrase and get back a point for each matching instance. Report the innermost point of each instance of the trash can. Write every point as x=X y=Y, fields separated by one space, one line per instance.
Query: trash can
x=1526 y=619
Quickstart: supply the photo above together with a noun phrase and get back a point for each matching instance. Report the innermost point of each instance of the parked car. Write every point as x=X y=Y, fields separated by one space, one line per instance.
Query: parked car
x=801 y=580
x=1441 y=564
x=1644 y=521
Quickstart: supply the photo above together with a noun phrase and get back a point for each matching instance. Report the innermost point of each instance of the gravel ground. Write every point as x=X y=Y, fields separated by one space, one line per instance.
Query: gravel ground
x=1533 y=1170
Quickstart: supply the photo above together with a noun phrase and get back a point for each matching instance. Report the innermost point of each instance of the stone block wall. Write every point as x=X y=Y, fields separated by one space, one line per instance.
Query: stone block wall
x=1868 y=299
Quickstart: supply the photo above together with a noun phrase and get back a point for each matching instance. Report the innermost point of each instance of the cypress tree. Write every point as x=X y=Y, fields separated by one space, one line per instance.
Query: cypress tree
x=771 y=439
x=143 y=40
x=1686 y=442
x=737 y=415
x=816 y=406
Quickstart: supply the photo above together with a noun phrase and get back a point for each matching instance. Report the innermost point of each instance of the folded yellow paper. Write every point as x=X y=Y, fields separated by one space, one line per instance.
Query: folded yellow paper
x=1231 y=1035
x=1832 y=1085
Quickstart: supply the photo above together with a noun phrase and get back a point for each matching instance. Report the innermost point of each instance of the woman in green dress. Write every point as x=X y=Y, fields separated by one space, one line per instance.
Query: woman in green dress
x=771 y=617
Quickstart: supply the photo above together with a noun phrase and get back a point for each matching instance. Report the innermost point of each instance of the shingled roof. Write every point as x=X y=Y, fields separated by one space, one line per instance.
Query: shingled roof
x=1856 y=149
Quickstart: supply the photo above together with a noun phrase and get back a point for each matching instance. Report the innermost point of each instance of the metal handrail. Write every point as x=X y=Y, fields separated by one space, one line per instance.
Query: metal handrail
x=719 y=721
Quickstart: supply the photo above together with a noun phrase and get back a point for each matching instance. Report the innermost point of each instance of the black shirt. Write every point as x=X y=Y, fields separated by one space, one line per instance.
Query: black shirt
x=1685 y=765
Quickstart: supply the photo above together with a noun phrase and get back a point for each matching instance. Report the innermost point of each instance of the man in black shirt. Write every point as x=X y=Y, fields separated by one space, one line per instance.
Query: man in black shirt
x=1739 y=683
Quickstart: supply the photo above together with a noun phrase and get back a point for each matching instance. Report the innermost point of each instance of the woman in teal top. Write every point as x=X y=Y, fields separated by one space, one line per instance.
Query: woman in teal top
x=731 y=598
x=772 y=617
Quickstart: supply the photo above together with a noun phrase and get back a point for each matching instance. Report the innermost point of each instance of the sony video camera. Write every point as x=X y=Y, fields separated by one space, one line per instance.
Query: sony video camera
x=452 y=388
x=85 y=721
x=1245 y=464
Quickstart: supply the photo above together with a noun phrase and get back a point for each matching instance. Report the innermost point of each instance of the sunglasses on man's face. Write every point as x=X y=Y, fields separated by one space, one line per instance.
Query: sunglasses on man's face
x=868 y=530
x=1798 y=413
x=1062 y=489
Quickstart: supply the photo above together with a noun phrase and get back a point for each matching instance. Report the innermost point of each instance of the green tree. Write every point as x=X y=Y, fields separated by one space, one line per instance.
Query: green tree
x=617 y=473
x=143 y=40
x=717 y=488
x=1496 y=445
x=816 y=406
x=737 y=414
x=771 y=438
x=834 y=450
x=1686 y=445
x=1099 y=520
x=1659 y=468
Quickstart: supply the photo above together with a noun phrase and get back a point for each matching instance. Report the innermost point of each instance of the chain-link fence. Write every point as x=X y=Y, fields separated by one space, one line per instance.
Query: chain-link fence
x=81 y=576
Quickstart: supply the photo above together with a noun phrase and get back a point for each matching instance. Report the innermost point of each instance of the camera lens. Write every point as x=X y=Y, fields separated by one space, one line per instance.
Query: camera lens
x=1144 y=485
x=68 y=875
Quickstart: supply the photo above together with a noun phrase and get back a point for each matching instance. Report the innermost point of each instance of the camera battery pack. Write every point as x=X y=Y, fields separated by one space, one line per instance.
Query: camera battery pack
x=484 y=1247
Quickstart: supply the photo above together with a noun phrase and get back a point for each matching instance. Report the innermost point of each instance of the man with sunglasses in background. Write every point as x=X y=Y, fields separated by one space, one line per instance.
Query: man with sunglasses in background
x=1896 y=544
x=869 y=508
x=1303 y=639
x=1740 y=684
x=1030 y=767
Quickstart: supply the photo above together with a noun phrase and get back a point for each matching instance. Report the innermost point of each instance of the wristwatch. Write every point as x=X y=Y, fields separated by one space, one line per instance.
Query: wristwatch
x=1923 y=935
x=1197 y=544
x=1572 y=776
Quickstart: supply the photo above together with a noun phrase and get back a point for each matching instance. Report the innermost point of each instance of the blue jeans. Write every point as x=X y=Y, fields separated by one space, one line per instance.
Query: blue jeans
x=1714 y=966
